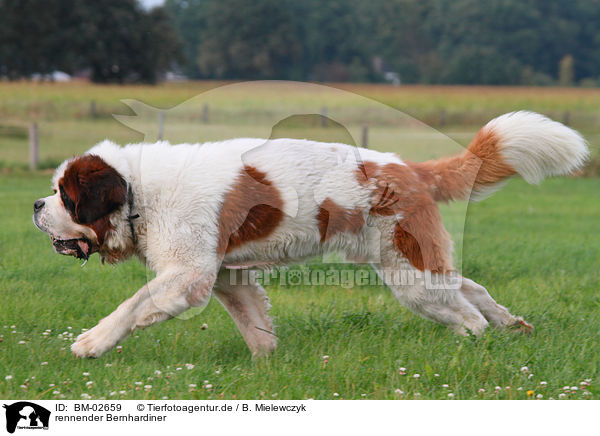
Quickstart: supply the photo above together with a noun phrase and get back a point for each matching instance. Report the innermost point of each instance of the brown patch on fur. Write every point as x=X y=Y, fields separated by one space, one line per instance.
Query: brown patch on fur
x=91 y=190
x=252 y=210
x=398 y=190
x=452 y=178
x=410 y=192
x=101 y=227
x=333 y=219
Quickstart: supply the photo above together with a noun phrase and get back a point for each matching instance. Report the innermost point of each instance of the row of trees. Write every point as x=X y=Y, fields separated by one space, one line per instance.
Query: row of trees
x=425 y=41
x=111 y=40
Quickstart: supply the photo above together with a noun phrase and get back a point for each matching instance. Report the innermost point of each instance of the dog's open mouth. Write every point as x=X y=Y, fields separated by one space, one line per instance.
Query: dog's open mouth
x=81 y=248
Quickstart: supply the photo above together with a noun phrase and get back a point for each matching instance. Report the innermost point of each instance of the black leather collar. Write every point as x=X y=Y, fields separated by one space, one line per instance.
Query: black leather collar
x=131 y=216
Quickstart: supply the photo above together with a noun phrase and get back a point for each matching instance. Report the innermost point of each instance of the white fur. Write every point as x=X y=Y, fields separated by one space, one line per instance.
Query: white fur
x=538 y=147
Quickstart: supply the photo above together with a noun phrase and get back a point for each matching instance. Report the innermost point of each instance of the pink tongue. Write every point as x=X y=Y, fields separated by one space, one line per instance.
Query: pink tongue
x=83 y=245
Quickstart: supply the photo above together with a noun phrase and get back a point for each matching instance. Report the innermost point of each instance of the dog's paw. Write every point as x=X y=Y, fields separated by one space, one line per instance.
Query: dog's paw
x=96 y=342
x=522 y=326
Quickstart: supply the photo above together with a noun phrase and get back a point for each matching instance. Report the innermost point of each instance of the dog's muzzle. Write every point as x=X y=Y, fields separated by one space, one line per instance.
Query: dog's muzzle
x=81 y=248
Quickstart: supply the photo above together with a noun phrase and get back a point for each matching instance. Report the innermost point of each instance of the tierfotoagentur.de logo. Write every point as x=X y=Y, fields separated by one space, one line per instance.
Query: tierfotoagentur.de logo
x=26 y=416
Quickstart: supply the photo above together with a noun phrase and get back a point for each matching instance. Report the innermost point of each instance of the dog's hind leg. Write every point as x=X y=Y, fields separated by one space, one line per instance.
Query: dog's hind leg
x=427 y=285
x=247 y=303
x=496 y=314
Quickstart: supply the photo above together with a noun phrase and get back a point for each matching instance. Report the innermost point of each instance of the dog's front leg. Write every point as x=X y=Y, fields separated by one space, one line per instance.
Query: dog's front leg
x=168 y=295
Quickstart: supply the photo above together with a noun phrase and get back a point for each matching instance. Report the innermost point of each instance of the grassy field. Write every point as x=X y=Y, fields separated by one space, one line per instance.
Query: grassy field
x=537 y=249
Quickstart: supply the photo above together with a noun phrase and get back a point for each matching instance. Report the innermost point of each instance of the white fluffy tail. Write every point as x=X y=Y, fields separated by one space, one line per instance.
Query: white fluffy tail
x=538 y=147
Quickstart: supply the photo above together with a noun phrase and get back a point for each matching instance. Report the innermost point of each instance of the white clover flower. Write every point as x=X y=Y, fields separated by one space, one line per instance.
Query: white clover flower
x=524 y=369
x=561 y=395
x=445 y=385
x=574 y=388
x=22 y=342
x=44 y=363
x=112 y=394
x=402 y=368
x=416 y=376
x=498 y=388
x=481 y=390
x=157 y=372
x=148 y=387
x=107 y=365
x=436 y=375
x=543 y=384
x=193 y=385
x=138 y=383
x=55 y=392
x=399 y=392
x=85 y=374
x=450 y=395
x=8 y=377
x=325 y=357
x=85 y=396
x=530 y=376
x=539 y=396
x=122 y=392
x=208 y=386
x=88 y=384
x=335 y=394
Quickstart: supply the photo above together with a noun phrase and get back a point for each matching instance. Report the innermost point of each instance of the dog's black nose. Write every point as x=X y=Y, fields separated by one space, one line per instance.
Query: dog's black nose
x=38 y=205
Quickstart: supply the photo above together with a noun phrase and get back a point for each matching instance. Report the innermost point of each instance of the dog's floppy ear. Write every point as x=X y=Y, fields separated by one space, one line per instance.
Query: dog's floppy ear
x=95 y=187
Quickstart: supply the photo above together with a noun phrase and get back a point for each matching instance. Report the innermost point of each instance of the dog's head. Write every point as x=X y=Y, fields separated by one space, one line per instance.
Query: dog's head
x=77 y=217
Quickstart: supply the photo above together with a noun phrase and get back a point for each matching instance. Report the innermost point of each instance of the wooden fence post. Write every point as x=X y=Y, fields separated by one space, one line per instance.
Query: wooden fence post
x=161 y=125
x=34 y=146
x=205 y=114
x=442 y=118
x=324 y=116
x=365 y=136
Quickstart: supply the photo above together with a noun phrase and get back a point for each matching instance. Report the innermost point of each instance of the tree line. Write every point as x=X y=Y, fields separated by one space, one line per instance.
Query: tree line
x=107 y=40
x=513 y=42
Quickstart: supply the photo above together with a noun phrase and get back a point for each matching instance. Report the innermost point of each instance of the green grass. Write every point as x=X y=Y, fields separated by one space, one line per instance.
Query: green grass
x=535 y=248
